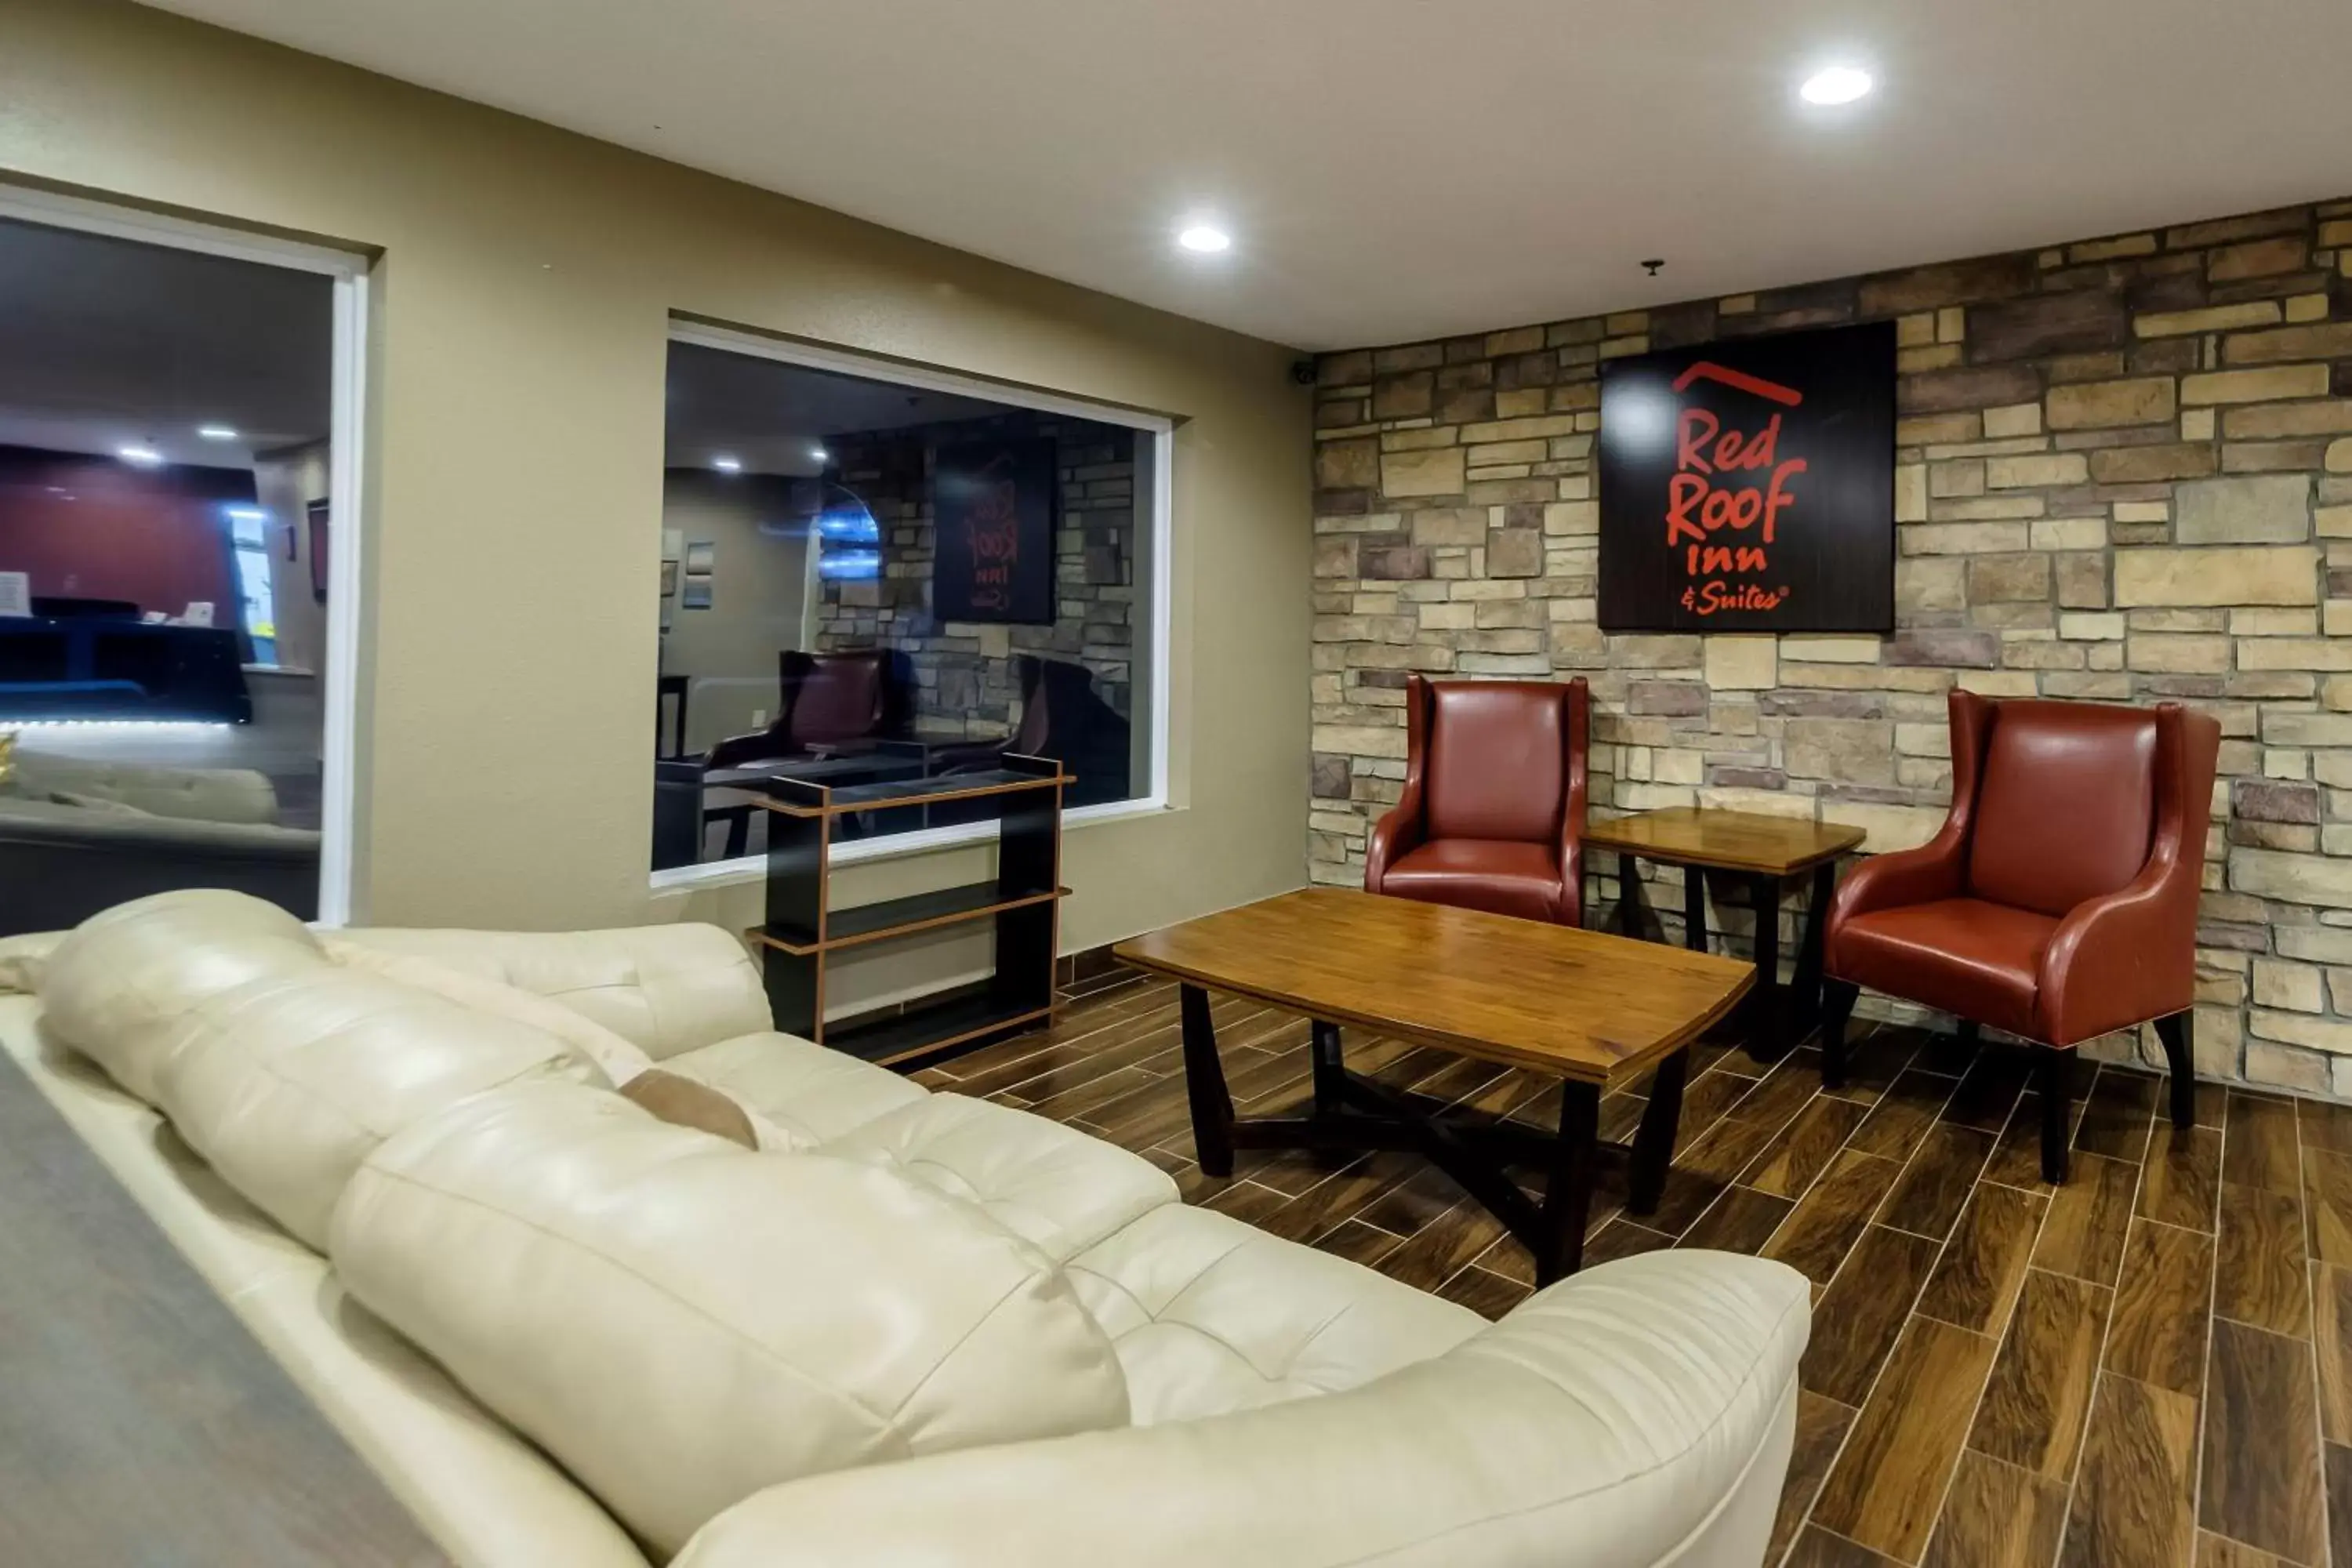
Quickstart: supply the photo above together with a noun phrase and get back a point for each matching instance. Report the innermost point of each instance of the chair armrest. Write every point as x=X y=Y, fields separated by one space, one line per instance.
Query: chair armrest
x=1642 y=1408
x=2131 y=955
x=1900 y=876
x=2119 y=960
x=1396 y=835
x=1936 y=869
x=1573 y=812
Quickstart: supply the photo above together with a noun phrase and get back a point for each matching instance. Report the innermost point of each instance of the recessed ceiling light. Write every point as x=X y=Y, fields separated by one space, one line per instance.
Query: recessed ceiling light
x=139 y=456
x=819 y=453
x=218 y=432
x=1204 y=238
x=727 y=465
x=1836 y=84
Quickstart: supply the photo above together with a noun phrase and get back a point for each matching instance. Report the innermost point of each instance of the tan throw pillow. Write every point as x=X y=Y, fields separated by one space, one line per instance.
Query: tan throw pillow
x=682 y=1102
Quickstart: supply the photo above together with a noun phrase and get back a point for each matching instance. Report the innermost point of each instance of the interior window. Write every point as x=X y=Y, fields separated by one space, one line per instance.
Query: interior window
x=166 y=417
x=864 y=582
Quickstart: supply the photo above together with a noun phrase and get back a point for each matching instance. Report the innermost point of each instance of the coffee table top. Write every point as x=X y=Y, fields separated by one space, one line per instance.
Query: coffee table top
x=1580 y=1004
x=1726 y=840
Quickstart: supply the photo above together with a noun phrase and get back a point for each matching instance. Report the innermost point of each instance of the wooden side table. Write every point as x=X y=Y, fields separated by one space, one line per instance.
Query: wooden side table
x=1763 y=852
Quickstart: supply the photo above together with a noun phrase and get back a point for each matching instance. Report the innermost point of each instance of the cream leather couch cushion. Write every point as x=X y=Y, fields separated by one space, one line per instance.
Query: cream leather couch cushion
x=665 y=989
x=117 y=984
x=681 y=1322
x=1210 y=1315
x=1638 y=1415
x=284 y=1085
x=810 y=1092
x=1053 y=1186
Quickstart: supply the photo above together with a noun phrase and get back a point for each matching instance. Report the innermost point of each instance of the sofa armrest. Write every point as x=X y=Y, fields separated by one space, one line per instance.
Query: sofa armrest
x=1641 y=1408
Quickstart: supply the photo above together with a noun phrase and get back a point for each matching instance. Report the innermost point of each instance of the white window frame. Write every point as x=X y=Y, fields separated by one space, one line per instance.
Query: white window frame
x=1159 y=542
x=340 y=681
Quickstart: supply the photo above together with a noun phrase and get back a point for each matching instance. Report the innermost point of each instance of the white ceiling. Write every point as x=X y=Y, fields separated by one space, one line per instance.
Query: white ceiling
x=774 y=418
x=109 y=343
x=1396 y=169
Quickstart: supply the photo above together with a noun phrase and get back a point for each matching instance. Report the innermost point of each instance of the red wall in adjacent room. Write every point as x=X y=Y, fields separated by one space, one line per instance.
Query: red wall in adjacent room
x=92 y=528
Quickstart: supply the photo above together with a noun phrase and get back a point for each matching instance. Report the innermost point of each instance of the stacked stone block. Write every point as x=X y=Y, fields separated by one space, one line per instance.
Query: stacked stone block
x=2124 y=473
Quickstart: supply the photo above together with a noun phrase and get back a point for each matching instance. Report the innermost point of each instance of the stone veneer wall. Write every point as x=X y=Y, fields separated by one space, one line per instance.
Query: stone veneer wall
x=2125 y=475
x=966 y=682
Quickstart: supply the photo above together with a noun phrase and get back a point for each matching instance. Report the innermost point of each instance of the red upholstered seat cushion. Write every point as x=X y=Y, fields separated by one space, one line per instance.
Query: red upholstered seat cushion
x=1967 y=956
x=1499 y=875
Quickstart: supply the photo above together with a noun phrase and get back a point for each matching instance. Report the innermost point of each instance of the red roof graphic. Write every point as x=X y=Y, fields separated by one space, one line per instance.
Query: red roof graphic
x=1708 y=370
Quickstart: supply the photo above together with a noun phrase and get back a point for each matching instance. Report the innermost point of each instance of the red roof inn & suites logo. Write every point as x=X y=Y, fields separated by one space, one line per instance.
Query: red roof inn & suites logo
x=1749 y=485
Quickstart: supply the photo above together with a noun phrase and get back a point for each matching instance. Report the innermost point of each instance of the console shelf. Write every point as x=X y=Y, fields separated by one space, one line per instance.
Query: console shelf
x=1023 y=900
x=899 y=917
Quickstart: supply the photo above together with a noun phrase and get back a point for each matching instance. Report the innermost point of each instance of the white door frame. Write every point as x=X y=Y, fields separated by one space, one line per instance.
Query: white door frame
x=340 y=680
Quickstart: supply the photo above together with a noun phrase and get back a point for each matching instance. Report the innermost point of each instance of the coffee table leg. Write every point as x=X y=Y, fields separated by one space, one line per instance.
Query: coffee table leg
x=1204 y=1086
x=1653 y=1142
x=1329 y=1071
x=1694 y=909
x=1568 y=1196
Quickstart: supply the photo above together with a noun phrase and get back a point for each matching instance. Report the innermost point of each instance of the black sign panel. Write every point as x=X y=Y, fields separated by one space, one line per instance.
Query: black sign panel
x=993 y=503
x=1749 y=485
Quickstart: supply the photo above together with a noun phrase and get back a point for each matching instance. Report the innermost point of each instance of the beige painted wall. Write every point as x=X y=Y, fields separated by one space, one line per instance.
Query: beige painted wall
x=285 y=483
x=759 y=600
x=525 y=283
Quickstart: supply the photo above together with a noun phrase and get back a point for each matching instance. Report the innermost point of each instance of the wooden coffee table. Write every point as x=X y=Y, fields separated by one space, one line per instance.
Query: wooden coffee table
x=1762 y=851
x=1592 y=1008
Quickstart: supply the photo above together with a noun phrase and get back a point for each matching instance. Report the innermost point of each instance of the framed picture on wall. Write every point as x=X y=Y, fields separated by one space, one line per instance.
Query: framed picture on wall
x=995 y=504
x=1749 y=485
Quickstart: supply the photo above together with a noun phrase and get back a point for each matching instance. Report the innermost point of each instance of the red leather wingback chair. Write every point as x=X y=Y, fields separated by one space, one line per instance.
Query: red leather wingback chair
x=831 y=702
x=2060 y=900
x=1492 y=816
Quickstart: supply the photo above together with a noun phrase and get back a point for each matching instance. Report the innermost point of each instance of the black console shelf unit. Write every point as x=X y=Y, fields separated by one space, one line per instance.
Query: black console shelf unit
x=1025 y=900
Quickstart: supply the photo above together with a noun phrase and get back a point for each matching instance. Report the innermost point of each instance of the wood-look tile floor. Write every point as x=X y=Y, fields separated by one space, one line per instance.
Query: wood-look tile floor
x=2151 y=1365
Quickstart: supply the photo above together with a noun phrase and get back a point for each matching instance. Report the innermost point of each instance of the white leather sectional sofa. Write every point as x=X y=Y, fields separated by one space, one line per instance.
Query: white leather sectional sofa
x=911 y=1329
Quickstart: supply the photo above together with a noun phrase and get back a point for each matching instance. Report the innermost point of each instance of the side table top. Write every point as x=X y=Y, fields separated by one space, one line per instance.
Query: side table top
x=1725 y=840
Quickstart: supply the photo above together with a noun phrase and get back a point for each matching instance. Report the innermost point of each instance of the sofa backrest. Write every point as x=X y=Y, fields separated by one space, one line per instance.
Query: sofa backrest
x=285 y=1084
x=665 y=989
x=203 y=794
x=120 y=980
x=681 y=1322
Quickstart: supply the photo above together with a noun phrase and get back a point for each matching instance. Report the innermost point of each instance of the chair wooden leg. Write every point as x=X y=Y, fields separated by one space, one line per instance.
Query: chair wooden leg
x=2179 y=1033
x=1837 y=1006
x=2057 y=1087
